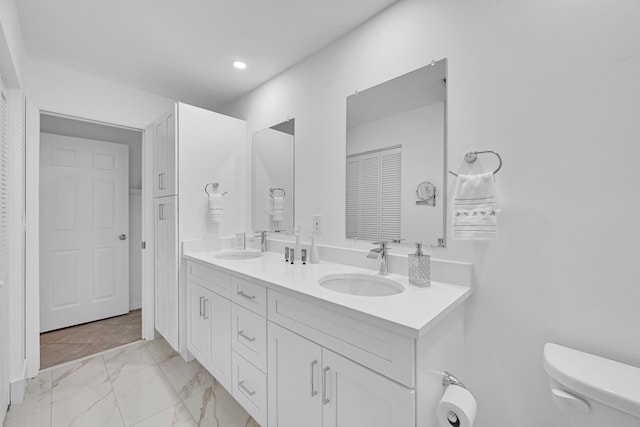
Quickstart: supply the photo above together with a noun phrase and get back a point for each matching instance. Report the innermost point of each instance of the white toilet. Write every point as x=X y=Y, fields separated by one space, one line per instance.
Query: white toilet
x=591 y=391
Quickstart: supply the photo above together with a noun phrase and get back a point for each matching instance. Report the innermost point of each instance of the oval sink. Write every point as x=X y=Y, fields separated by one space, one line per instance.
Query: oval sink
x=361 y=284
x=238 y=255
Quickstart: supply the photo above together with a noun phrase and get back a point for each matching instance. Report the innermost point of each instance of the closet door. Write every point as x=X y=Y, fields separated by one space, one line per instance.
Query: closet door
x=165 y=162
x=4 y=251
x=166 y=268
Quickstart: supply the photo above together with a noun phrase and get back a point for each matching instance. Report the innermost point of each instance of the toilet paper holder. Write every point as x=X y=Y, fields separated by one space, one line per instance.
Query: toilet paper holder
x=449 y=379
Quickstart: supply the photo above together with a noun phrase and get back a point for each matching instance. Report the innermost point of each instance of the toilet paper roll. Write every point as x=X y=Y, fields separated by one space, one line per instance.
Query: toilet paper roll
x=457 y=408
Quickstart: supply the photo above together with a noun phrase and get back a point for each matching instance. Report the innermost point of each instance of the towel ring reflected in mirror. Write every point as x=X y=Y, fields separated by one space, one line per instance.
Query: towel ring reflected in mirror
x=274 y=189
x=214 y=186
x=426 y=192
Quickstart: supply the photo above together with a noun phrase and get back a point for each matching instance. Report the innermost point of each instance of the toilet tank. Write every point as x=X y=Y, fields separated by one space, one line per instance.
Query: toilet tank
x=591 y=391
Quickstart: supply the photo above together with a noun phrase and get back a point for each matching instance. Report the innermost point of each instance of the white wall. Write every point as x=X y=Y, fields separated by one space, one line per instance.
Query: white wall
x=210 y=149
x=64 y=91
x=553 y=87
x=421 y=134
x=12 y=49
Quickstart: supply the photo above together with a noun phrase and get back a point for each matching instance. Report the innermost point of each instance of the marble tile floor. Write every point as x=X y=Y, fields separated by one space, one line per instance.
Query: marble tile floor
x=142 y=384
x=65 y=345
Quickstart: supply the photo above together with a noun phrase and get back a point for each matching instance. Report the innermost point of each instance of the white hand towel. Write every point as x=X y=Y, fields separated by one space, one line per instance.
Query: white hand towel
x=475 y=208
x=277 y=208
x=216 y=207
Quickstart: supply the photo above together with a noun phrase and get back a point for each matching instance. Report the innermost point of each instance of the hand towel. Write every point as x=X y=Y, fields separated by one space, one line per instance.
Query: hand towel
x=475 y=208
x=215 y=207
x=277 y=208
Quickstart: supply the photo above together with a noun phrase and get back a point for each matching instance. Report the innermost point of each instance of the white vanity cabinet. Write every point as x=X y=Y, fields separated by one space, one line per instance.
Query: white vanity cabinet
x=209 y=321
x=311 y=383
x=299 y=360
x=227 y=338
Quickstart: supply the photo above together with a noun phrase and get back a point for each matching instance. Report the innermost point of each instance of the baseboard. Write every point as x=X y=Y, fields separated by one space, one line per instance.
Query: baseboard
x=135 y=305
x=18 y=387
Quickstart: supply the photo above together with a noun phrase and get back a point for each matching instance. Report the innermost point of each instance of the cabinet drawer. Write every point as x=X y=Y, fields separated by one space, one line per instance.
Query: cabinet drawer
x=249 y=336
x=249 y=295
x=210 y=278
x=379 y=349
x=250 y=388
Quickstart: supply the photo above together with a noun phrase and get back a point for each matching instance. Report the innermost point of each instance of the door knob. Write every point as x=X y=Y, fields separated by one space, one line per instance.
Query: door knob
x=122 y=237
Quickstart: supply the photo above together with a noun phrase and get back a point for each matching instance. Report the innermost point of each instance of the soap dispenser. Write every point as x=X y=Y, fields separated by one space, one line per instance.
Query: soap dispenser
x=419 y=267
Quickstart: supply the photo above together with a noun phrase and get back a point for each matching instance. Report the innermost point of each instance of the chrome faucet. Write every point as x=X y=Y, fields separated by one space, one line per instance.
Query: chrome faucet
x=382 y=253
x=263 y=240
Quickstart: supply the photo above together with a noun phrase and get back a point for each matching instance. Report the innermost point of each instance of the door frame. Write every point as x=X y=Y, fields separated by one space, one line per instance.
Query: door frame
x=32 y=224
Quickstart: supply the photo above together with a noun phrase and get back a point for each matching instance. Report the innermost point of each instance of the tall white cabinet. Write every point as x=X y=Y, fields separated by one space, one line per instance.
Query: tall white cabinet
x=192 y=147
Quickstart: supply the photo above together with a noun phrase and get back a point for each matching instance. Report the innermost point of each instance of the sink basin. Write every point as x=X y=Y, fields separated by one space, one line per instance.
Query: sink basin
x=238 y=255
x=361 y=284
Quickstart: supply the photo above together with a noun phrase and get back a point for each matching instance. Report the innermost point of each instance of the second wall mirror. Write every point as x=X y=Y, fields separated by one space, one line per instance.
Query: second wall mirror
x=273 y=178
x=396 y=151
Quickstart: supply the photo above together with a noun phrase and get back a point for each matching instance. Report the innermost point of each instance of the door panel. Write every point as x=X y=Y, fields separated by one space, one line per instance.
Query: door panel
x=359 y=397
x=295 y=384
x=166 y=268
x=84 y=209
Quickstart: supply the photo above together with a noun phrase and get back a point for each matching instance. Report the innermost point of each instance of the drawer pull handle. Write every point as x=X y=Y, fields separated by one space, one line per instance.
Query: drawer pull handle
x=313 y=386
x=201 y=299
x=245 y=389
x=249 y=297
x=246 y=337
x=325 y=400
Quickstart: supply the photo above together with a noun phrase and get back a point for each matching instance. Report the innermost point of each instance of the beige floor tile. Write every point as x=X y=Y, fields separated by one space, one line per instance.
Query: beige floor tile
x=175 y=416
x=187 y=378
x=95 y=407
x=161 y=350
x=38 y=417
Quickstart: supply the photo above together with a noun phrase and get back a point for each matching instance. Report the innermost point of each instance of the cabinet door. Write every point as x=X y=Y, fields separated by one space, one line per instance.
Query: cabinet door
x=294 y=380
x=197 y=328
x=217 y=311
x=358 y=397
x=166 y=269
x=164 y=182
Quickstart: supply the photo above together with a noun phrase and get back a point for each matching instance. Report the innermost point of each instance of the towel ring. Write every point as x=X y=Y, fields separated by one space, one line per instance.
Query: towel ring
x=472 y=156
x=274 y=189
x=214 y=186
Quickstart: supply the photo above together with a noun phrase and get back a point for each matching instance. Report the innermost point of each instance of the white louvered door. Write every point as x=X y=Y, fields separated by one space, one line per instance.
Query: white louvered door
x=4 y=250
x=373 y=197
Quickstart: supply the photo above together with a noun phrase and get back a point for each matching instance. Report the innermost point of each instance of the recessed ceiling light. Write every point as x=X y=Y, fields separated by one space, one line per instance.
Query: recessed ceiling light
x=239 y=65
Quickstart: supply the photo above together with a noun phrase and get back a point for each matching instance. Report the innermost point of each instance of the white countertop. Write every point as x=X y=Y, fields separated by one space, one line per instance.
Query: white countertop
x=415 y=310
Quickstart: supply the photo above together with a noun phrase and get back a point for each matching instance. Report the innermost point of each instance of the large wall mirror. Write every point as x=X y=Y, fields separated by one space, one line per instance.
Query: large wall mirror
x=273 y=174
x=396 y=153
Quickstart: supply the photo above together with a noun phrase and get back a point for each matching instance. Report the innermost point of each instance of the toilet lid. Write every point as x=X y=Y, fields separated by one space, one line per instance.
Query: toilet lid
x=613 y=383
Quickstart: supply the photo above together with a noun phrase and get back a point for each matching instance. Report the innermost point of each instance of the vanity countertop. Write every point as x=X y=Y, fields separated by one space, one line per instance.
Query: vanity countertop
x=411 y=312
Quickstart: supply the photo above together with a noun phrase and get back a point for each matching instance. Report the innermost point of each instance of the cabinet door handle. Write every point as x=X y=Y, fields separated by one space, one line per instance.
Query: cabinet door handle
x=161 y=181
x=246 y=337
x=161 y=212
x=245 y=389
x=204 y=309
x=313 y=385
x=325 y=400
x=201 y=299
x=249 y=297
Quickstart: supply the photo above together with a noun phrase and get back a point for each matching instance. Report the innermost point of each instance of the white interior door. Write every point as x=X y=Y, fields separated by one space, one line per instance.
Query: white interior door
x=84 y=224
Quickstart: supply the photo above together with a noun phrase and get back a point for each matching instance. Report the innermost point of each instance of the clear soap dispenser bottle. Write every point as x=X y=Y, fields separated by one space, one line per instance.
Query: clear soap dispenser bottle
x=419 y=267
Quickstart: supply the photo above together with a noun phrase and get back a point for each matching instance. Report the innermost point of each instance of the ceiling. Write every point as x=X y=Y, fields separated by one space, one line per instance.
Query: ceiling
x=183 y=49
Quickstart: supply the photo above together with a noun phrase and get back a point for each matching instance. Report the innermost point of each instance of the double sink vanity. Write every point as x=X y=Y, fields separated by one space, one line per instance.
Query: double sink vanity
x=330 y=344
x=322 y=344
